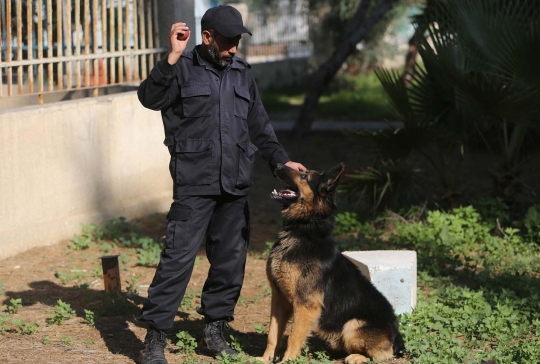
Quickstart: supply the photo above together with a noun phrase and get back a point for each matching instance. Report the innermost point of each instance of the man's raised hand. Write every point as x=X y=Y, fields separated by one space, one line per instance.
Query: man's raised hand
x=177 y=44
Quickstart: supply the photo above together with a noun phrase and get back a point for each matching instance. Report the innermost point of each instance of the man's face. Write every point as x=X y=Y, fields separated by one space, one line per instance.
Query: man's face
x=221 y=49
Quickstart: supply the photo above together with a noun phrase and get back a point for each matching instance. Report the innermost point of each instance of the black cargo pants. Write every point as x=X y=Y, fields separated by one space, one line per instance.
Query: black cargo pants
x=224 y=220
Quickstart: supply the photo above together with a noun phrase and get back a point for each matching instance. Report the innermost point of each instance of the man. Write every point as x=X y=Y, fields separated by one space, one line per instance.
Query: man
x=214 y=123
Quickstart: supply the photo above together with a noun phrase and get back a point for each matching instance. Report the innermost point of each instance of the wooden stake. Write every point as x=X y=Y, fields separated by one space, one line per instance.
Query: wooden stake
x=111 y=273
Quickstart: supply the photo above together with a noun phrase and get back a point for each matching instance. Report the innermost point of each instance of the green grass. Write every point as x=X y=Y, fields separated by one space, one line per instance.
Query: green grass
x=478 y=286
x=457 y=324
x=349 y=98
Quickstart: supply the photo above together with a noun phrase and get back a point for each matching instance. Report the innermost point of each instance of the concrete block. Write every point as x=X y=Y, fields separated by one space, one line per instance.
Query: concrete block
x=393 y=272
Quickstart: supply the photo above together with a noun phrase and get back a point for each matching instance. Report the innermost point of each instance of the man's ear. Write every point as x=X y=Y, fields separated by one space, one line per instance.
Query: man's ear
x=330 y=179
x=206 y=37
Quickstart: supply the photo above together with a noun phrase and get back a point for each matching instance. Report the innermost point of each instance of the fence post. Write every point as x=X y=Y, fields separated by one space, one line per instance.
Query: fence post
x=111 y=273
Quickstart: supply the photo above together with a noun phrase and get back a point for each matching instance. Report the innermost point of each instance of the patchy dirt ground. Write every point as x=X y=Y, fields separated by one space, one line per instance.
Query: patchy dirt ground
x=42 y=276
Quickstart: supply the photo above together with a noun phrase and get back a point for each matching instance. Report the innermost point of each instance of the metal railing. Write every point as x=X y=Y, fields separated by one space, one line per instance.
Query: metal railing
x=280 y=33
x=56 y=45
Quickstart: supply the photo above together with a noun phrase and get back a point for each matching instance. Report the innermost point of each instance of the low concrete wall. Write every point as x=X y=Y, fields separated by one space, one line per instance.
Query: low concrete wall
x=283 y=73
x=76 y=162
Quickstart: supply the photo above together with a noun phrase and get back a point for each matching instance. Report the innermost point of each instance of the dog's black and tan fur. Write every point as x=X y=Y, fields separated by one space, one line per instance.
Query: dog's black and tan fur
x=313 y=282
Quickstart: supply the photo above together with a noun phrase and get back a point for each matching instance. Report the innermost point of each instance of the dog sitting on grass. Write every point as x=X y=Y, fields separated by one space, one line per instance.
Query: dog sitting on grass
x=313 y=282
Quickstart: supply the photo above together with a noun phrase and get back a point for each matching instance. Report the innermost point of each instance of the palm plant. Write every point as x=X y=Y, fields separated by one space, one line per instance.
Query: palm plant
x=479 y=76
x=387 y=185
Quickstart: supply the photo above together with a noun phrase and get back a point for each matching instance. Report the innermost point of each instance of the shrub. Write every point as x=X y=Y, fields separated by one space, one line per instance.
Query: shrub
x=186 y=343
x=148 y=251
x=531 y=221
x=89 y=318
x=346 y=223
x=14 y=305
x=62 y=312
x=8 y=324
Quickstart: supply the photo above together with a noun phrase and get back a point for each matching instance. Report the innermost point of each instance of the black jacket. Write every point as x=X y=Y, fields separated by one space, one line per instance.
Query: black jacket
x=213 y=125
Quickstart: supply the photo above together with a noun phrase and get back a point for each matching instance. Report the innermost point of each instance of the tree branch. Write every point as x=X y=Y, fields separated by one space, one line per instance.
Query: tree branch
x=361 y=25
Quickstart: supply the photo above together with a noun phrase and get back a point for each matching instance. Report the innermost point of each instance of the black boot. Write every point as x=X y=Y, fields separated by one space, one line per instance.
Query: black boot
x=154 y=347
x=213 y=343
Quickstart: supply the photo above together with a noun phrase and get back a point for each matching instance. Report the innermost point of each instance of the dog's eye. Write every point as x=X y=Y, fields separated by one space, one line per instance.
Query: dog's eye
x=303 y=176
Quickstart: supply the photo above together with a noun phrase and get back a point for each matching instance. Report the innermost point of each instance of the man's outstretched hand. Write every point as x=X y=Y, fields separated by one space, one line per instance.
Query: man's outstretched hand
x=296 y=166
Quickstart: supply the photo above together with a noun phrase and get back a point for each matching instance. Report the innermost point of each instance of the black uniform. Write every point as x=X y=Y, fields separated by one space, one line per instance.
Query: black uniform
x=214 y=123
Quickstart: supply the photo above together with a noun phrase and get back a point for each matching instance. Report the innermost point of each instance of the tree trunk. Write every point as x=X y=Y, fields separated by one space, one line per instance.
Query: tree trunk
x=410 y=58
x=358 y=29
x=412 y=52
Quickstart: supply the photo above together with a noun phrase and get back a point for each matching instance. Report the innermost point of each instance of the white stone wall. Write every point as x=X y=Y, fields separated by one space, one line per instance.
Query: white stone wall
x=74 y=162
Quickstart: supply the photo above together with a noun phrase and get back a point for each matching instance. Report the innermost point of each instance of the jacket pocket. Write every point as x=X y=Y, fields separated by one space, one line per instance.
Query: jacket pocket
x=194 y=162
x=246 y=157
x=241 y=101
x=195 y=99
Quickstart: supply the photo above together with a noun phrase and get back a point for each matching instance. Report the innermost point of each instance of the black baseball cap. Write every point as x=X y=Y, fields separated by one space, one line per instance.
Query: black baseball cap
x=225 y=19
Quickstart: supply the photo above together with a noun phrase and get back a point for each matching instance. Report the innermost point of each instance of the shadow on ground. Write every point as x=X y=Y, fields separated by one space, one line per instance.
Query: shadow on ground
x=115 y=315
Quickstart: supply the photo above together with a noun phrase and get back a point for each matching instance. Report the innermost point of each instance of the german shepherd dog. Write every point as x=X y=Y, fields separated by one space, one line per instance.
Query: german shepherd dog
x=317 y=285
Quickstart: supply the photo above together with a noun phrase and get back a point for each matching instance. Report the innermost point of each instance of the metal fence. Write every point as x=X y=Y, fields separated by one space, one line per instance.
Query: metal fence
x=55 y=45
x=280 y=33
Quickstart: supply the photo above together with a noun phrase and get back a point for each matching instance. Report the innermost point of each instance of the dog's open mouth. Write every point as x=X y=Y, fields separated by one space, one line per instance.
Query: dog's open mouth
x=289 y=194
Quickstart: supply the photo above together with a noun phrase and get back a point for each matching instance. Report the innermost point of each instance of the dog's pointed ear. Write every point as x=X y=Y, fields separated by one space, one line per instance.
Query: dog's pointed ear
x=330 y=179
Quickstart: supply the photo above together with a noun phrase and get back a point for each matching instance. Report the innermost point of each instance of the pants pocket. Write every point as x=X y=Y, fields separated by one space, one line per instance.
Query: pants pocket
x=178 y=228
x=246 y=157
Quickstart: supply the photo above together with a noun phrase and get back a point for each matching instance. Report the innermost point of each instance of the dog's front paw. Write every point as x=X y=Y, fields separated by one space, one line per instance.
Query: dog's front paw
x=355 y=359
x=264 y=359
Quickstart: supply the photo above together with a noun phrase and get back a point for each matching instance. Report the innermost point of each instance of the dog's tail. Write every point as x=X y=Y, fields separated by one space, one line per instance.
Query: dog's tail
x=397 y=341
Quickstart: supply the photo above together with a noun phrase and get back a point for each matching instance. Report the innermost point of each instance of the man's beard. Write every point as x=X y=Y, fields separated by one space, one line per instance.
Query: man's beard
x=215 y=57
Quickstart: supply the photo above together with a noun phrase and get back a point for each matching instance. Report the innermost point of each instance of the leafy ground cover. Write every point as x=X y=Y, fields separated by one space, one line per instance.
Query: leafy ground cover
x=478 y=281
x=478 y=286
